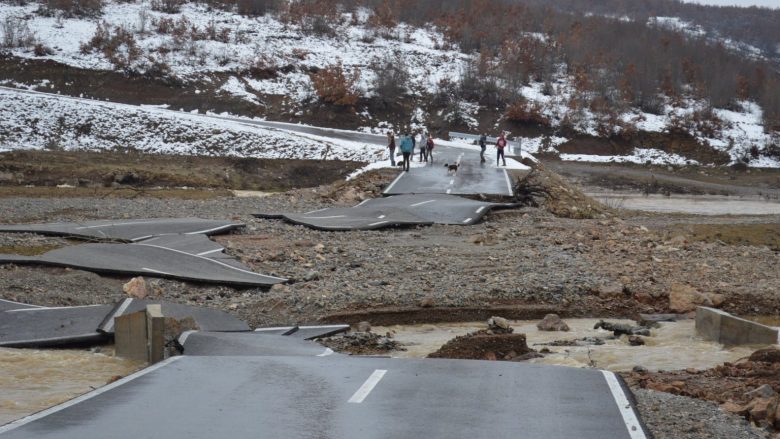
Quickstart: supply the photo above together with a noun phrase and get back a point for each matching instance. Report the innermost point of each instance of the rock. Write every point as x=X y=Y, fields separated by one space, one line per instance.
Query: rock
x=552 y=322
x=684 y=298
x=737 y=409
x=490 y=356
x=619 y=329
x=611 y=290
x=635 y=340
x=136 y=288
x=639 y=369
x=311 y=276
x=759 y=408
x=526 y=357
x=769 y=355
x=499 y=325
x=363 y=327
x=427 y=302
x=765 y=391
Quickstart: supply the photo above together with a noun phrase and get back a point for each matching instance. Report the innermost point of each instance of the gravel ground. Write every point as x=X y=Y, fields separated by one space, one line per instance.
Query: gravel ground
x=605 y=267
x=669 y=416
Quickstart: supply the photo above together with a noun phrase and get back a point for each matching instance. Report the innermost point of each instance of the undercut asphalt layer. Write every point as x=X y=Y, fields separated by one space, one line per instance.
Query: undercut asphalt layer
x=395 y=211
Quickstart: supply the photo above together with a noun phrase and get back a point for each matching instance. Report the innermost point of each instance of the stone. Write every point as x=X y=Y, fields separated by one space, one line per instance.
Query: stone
x=311 y=276
x=759 y=408
x=499 y=322
x=732 y=407
x=765 y=391
x=363 y=327
x=611 y=290
x=682 y=298
x=639 y=369
x=635 y=340
x=427 y=302
x=136 y=288
x=552 y=322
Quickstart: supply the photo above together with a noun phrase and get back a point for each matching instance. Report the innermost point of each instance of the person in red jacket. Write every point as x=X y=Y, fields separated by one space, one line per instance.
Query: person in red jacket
x=500 y=145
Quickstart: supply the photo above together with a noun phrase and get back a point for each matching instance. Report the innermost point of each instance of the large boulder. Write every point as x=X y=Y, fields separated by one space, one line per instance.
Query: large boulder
x=684 y=298
x=552 y=322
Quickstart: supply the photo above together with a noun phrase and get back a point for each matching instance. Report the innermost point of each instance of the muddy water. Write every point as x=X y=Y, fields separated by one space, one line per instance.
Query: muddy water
x=672 y=346
x=698 y=205
x=33 y=380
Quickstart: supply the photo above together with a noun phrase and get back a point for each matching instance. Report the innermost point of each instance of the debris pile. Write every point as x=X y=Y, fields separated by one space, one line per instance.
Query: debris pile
x=544 y=188
x=497 y=342
x=361 y=341
x=748 y=387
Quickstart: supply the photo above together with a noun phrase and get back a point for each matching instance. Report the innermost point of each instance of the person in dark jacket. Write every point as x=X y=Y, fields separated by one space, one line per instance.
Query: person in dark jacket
x=429 y=148
x=483 y=147
x=391 y=147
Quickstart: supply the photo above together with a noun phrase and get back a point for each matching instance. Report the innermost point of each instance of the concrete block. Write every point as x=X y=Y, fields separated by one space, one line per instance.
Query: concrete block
x=130 y=336
x=708 y=322
x=155 y=329
x=716 y=325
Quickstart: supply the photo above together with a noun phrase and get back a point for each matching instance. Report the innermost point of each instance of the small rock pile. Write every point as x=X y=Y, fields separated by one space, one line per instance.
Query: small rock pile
x=361 y=341
x=497 y=342
x=748 y=388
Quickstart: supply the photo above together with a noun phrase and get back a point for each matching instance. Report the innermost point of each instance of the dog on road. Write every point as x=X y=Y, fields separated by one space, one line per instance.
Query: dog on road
x=451 y=168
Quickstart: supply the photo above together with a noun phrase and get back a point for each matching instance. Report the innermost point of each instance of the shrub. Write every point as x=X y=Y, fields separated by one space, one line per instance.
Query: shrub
x=526 y=112
x=79 y=8
x=119 y=46
x=335 y=87
x=167 y=6
x=392 y=76
x=16 y=33
x=41 y=50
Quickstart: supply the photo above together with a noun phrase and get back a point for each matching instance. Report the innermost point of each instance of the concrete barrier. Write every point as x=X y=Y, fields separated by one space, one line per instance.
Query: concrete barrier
x=722 y=327
x=141 y=335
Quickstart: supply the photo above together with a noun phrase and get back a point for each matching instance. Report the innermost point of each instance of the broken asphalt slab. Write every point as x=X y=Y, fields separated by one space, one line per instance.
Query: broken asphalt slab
x=400 y=210
x=148 y=260
x=52 y=327
x=247 y=344
x=126 y=230
x=338 y=396
x=39 y=327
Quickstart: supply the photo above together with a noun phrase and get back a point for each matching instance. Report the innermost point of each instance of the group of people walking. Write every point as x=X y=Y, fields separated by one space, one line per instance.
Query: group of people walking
x=408 y=142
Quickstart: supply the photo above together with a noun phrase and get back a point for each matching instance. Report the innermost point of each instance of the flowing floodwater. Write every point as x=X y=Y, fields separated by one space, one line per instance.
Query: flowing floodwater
x=33 y=380
x=693 y=204
x=672 y=346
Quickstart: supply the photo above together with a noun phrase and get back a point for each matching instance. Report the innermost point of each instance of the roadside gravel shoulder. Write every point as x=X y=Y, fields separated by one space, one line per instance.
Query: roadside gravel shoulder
x=670 y=416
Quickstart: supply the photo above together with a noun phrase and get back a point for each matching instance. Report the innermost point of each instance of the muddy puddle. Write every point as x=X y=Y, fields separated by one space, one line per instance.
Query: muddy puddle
x=698 y=204
x=672 y=346
x=33 y=380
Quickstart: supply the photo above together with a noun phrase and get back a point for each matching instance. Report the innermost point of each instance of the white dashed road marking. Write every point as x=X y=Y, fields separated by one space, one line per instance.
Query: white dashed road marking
x=367 y=387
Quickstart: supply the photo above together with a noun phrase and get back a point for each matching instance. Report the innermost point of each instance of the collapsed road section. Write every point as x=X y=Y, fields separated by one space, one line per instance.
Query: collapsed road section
x=170 y=248
x=399 y=210
x=40 y=327
x=126 y=230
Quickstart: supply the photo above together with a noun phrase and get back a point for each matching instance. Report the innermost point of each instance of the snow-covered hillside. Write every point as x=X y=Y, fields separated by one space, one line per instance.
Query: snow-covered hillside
x=38 y=121
x=253 y=57
x=199 y=40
